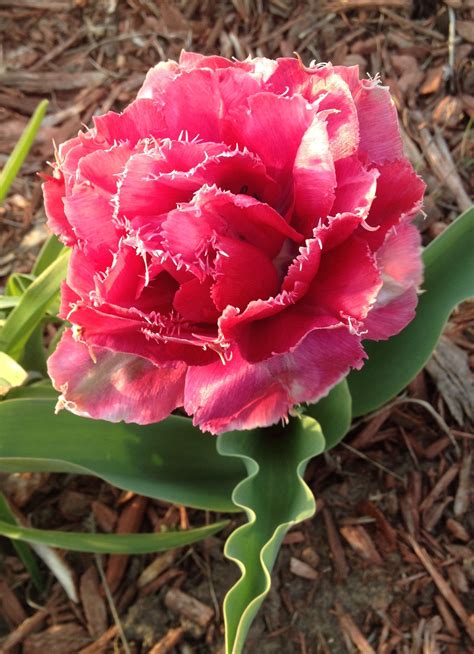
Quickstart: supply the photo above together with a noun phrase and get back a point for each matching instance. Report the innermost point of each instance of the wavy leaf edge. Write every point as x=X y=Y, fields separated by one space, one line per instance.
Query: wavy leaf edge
x=265 y=556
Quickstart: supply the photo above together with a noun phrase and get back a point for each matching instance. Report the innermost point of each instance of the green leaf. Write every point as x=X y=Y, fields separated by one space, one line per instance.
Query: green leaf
x=17 y=284
x=171 y=460
x=11 y=374
x=449 y=279
x=39 y=390
x=334 y=414
x=27 y=315
x=274 y=497
x=23 y=551
x=7 y=302
x=50 y=251
x=21 y=149
x=110 y=543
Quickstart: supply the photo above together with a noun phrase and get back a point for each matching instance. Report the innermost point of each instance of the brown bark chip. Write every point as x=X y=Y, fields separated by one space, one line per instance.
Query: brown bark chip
x=188 y=607
x=93 y=602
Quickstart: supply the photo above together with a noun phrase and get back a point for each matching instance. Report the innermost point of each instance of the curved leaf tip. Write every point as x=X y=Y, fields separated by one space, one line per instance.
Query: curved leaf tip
x=274 y=497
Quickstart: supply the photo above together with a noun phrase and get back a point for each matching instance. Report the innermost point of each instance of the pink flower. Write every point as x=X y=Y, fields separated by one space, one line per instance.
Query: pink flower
x=235 y=232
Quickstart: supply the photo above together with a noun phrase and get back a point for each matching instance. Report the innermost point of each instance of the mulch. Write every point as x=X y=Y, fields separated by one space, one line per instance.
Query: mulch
x=387 y=564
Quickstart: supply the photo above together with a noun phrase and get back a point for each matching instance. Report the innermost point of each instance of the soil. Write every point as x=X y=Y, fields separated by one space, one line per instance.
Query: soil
x=387 y=564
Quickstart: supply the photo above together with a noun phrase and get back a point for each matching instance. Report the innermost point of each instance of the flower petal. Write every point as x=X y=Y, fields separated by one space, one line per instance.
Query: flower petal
x=53 y=191
x=399 y=260
x=314 y=178
x=239 y=395
x=399 y=196
x=111 y=386
x=378 y=122
x=243 y=272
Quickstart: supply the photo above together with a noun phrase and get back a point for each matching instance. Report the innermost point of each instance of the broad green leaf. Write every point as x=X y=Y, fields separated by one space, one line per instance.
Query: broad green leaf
x=39 y=390
x=171 y=460
x=50 y=251
x=22 y=549
x=21 y=149
x=274 y=497
x=448 y=280
x=333 y=413
x=110 y=543
x=27 y=315
x=11 y=374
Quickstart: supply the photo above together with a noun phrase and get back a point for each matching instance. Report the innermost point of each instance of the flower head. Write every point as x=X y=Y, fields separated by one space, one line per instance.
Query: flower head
x=235 y=232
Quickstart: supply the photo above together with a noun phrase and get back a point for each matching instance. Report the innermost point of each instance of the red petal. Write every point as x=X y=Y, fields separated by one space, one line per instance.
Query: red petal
x=244 y=273
x=193 y=301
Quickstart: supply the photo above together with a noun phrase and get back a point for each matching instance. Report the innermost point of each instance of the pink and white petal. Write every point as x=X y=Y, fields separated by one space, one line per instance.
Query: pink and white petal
x=378 y=123
x=69 y=299
x=54 y=192
x=157 y=80
x=399 y=260
x=335 y=102
x=81 y=272
x=399 y=196
x=112 y=386
x=388 y=320
x=192 y=104
x=314 y=178
x=72 y=151
x=356 y=187
x=350 y=75
x=240 y=395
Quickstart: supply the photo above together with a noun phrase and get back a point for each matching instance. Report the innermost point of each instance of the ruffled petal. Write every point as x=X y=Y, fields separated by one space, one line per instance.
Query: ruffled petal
x=243 y=274
x=90 y=215
x=239 y=395
x=112 y=386
x=142 y=119
x=314 y=178
x=102 y=167
x=356 y=187
x=193 y=301
x=276 y=325
x=271 y=126
x=378 y=123
x=53 y=192
x=399 y=196
x=399 y=260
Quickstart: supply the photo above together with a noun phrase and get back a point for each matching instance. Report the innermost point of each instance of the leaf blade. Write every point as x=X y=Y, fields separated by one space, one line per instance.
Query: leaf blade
x=27 y=315
x=272 y=460
x=21 y=149
x=109 y=543
x=171 y=460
